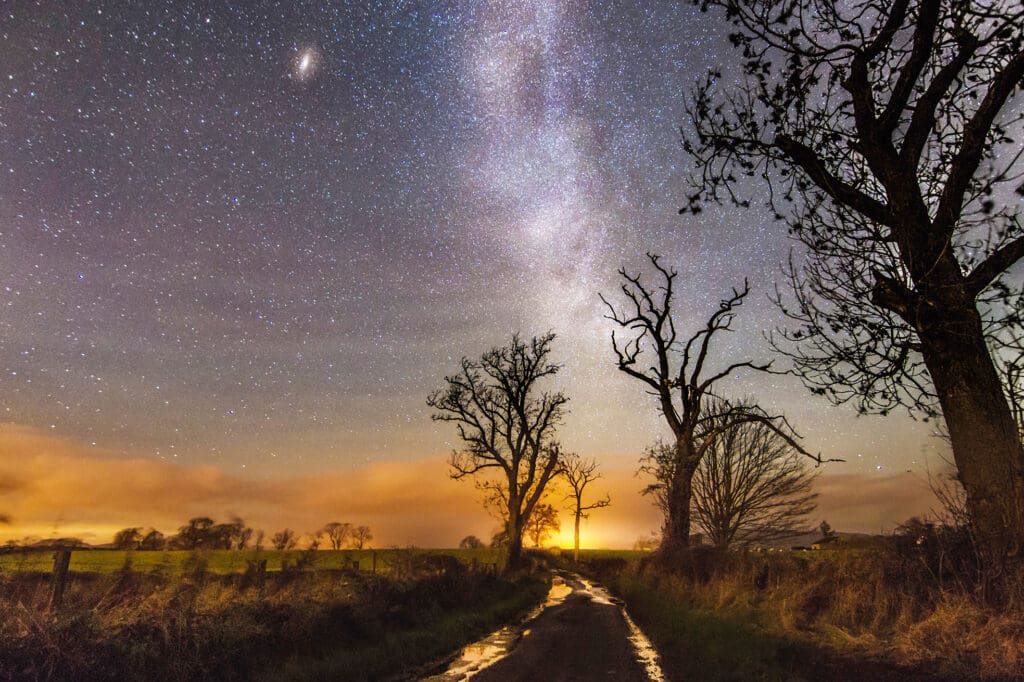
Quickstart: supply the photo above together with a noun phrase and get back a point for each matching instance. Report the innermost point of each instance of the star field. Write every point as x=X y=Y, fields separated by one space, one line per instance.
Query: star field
x=257 y=234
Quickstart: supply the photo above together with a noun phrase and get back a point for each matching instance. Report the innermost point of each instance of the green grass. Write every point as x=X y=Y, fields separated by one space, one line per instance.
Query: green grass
x=221 y=561
x=733 y=644
x=703 y=644
x=604 y=554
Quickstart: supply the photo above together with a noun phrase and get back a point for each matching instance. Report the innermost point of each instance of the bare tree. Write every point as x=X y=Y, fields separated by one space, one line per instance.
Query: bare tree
x=543 y=523
x=677 y=376
x=659 y=463
x=361 y=536
x=507 y=427
x=751 y=487
x=884 y=131
x=313 y=540
x=337 y=533
x=500 y=539
x=243 y=537
x=285 y=539
x=579 y=473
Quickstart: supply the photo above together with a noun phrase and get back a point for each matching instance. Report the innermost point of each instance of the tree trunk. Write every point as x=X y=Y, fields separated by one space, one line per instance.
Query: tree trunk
x=576 y=537
x=515 y=543
x=676 y=537
x=986 y=446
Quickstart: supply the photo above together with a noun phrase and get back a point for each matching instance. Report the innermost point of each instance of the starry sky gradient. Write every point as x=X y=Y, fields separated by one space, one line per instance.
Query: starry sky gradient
x=255 y=235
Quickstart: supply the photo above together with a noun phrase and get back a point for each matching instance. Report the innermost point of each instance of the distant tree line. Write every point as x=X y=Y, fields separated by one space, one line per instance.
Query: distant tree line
x=202 y=532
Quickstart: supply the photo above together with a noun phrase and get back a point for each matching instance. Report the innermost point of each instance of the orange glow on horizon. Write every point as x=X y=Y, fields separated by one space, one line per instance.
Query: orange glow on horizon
x=55 y=487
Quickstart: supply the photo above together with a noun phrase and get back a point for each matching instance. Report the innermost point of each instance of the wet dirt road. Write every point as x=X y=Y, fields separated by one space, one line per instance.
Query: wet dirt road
x=581 y=633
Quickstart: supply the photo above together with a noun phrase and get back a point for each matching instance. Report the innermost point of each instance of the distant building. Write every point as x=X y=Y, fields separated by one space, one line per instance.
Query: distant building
x=824 y=543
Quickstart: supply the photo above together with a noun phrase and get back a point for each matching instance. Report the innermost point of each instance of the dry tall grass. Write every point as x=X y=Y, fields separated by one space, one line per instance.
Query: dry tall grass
x=196 y=625
x=923 y=606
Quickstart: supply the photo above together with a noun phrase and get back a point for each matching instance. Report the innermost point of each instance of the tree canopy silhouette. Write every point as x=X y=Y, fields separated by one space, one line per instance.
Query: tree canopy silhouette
x=507 y=425
x=884 y=131
x=751 y=486
x=361 y=536
x=337 y=533
x=676 y=372
x=543 y=523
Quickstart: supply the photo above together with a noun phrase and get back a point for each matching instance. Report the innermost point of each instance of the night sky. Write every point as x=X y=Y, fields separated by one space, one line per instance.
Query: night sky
x=254 y=236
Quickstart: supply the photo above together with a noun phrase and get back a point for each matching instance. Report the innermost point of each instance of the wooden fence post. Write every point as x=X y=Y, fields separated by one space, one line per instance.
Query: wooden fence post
x=261 y=575
x=59 y=580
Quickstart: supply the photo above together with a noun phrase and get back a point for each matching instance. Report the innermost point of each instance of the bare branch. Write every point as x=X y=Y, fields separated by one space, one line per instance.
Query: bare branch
x=506 y=427
x=995 y=265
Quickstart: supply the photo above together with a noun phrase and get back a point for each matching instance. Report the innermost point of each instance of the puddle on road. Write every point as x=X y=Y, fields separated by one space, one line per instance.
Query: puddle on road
x=499 y=644
x=480 y=655
x=645 y=651
x=598 y=594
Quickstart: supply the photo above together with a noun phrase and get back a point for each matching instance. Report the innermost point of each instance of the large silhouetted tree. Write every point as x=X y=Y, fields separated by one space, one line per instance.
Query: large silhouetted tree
x=885 y=132
x=675 y=370
x=579 y=473
x=507 y=425
x=751 y=486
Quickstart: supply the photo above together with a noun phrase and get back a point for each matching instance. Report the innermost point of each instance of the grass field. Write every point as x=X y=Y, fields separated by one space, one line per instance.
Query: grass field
x=604 y=554
x=200 y=615
x=224 y=562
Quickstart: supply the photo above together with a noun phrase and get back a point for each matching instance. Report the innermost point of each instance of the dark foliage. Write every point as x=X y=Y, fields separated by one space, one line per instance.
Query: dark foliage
x=885 y=134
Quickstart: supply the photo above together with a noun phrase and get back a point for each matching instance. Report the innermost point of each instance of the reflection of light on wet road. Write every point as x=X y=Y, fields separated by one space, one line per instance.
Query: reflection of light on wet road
x=480 y=655
x=645 y=651
x=500 y=643
x=559 y=591
x=598 y=594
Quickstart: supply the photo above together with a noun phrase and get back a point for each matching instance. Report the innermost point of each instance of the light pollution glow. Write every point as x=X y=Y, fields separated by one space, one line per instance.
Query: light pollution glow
x=54 y=487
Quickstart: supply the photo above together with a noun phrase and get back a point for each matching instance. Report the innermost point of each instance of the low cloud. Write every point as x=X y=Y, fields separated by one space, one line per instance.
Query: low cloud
x=870 y=503
x=55 y=487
